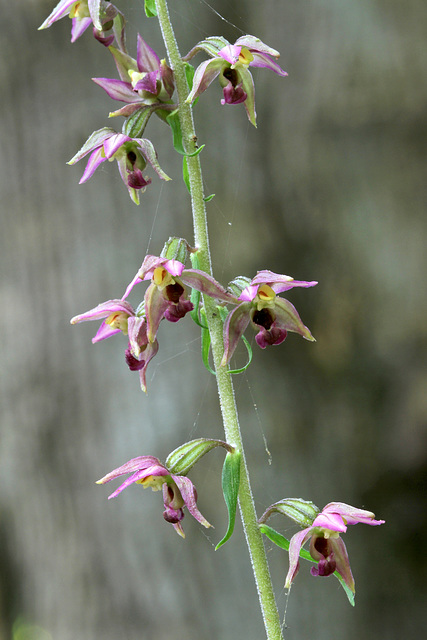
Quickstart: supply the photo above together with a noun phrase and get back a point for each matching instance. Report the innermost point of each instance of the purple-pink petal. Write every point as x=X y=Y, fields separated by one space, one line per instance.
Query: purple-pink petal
x=131 y=466
x=147 y=59
x=234 y=327
x=204 y=75
x=249 y=293
x=296 y=543
x=155 y=307
x=104 y=310
x=205 y=283
x=188 y=494
x=95 y=159
x=331 y=521
x=62 y=9
x=79 y=26
x=352 y=515
x=148 y=83
x=174 y=267
x=113 y=144
x=118 y=90
x=230 y=53
x=155 y=470
x=263 y=60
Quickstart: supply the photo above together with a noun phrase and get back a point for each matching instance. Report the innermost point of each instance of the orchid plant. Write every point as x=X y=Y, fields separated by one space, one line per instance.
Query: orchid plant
x=180 y=284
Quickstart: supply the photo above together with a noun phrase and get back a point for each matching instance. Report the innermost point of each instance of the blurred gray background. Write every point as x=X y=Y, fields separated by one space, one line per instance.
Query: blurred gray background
x=331 y=187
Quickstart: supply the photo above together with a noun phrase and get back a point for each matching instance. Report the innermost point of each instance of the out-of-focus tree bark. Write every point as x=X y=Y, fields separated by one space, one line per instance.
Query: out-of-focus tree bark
x=331 y=186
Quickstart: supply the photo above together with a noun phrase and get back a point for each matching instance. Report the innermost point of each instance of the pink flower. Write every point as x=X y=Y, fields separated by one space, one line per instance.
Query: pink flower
x=271 y=316
x=326 y=546
x=178 y=491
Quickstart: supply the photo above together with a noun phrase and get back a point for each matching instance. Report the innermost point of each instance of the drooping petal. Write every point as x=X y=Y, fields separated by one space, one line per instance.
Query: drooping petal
x=204 y=75
x=263 y=60
x=188 y=493
x=149 y=153
x=249 y=88
x=155 y=307
x=342 y=562
x=296 y=542
x=95 y=159
x=118 y=90
x=205 y=283
x=234 y=327
x=155 y=470
x=140 y=463
x=79 y=26
x=62 y=9
x=288 y=319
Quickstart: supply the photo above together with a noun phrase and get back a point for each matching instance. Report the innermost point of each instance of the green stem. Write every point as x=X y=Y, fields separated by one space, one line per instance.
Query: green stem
x=223 y=377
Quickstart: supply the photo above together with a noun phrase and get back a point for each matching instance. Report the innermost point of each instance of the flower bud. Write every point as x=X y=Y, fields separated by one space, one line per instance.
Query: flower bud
x=176 y=249
x=238 y=284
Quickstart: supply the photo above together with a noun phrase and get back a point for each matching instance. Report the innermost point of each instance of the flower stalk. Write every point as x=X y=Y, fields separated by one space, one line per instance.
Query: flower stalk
x=215 y=325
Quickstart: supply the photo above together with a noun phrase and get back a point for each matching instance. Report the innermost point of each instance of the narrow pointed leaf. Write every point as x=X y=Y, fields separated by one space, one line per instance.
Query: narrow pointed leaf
x=175 y=125
x=185 y=174
x=230 y=488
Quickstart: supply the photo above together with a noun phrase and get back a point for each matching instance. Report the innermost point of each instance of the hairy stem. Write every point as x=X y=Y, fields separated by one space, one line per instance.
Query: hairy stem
x=223 y=377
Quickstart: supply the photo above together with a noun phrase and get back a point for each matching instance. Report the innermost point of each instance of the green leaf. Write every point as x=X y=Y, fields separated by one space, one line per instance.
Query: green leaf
x=206 y=345
x=230 y=488
x=173 y=120
x=283 y=543
x=185 y=174
x=209 y=198
x=150 y=8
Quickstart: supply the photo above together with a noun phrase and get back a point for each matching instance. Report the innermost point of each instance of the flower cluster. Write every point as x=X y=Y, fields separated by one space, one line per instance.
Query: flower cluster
x=167 y=297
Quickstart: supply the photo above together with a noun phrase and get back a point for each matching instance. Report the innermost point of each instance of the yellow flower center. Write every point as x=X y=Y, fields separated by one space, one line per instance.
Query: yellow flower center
x=118 y=320
x=162 y=278
x=155 y=482
x=245 y=57
x=79 y=10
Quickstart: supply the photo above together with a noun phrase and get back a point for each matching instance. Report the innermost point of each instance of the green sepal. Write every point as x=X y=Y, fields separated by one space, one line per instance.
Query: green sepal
x=230 y=488
x=303 y=512
x=284 y=543
x=185 y=174
x=150 y=8
x=181 y=460
x=135 y=124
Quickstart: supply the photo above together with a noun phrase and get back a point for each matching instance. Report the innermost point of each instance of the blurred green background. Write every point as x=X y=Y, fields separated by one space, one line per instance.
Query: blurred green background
x=331 y=187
